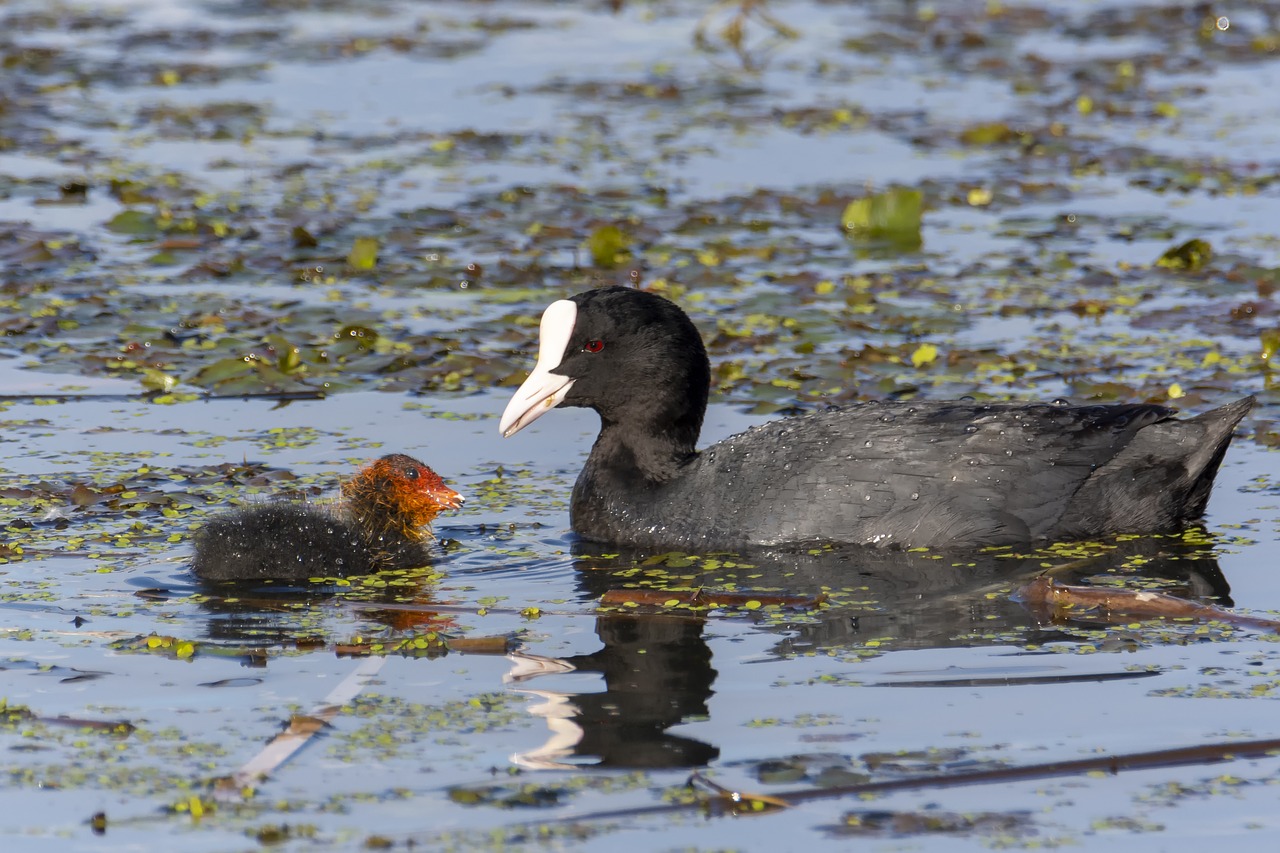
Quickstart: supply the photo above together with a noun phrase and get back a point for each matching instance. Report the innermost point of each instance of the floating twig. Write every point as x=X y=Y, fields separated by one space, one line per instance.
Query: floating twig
x=735 y=801
x=281 y=396
x=22 y=712
x=301 y=728
x=497 y=645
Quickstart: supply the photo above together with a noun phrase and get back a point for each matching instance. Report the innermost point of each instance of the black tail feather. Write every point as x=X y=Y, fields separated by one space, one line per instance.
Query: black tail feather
x=1219 y=425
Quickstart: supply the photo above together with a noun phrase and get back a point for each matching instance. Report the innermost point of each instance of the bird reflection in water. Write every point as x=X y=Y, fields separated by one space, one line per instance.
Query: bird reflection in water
x=657 y=667
x=657 y=673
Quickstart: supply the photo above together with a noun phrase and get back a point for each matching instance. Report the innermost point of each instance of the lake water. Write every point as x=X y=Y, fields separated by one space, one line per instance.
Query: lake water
x=1060 y=151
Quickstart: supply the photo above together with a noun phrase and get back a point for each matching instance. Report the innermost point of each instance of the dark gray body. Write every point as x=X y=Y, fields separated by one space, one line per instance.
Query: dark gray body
x=295 y=541
x=953 y=474
x=937 y=474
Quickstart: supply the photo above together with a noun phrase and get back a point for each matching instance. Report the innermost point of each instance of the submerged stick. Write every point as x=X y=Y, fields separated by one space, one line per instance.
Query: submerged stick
x=720 y=803
x=1175 y=757
x=1063 y=601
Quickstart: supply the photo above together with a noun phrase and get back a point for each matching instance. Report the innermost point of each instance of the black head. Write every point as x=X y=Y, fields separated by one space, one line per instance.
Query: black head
x=633 y=356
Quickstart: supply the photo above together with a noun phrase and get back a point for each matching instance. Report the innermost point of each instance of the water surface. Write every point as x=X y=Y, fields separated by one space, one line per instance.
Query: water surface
x=249 y=145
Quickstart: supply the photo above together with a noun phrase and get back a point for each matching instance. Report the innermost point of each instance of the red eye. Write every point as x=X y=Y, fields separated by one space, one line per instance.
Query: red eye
x=593 y=346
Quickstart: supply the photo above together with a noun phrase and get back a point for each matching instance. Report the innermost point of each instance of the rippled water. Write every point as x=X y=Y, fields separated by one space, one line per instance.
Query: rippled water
x=914 y=666
x=933 y=662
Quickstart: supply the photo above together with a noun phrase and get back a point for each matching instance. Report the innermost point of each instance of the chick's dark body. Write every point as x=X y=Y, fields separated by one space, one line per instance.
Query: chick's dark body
x=295 y=541
x=380 y=523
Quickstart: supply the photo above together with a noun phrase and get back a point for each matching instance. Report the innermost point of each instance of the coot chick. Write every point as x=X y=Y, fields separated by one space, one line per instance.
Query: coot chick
x=379 y=523
x=904 y=474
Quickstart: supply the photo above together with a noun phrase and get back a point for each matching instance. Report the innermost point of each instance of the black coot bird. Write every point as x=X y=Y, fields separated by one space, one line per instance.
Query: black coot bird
x=904 y=474
x=380 y=522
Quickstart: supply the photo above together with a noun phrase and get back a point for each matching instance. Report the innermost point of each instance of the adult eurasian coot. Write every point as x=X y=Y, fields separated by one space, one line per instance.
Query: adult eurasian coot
x=379 y=523
x=905 y=474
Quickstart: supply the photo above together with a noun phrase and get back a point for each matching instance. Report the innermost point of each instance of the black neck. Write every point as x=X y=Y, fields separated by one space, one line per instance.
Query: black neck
x=654 y=454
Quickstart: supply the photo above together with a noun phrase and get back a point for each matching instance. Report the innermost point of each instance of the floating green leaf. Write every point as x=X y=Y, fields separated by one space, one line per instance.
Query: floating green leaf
x=1191 y=255
x=288 y=355
x=893 y=215
x=220 y=371
x=925 y=354
x=1270 y=339
x=134 y=222
x=157 y=380
x=988 y=133
x=364 y=254
x=354 y=339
